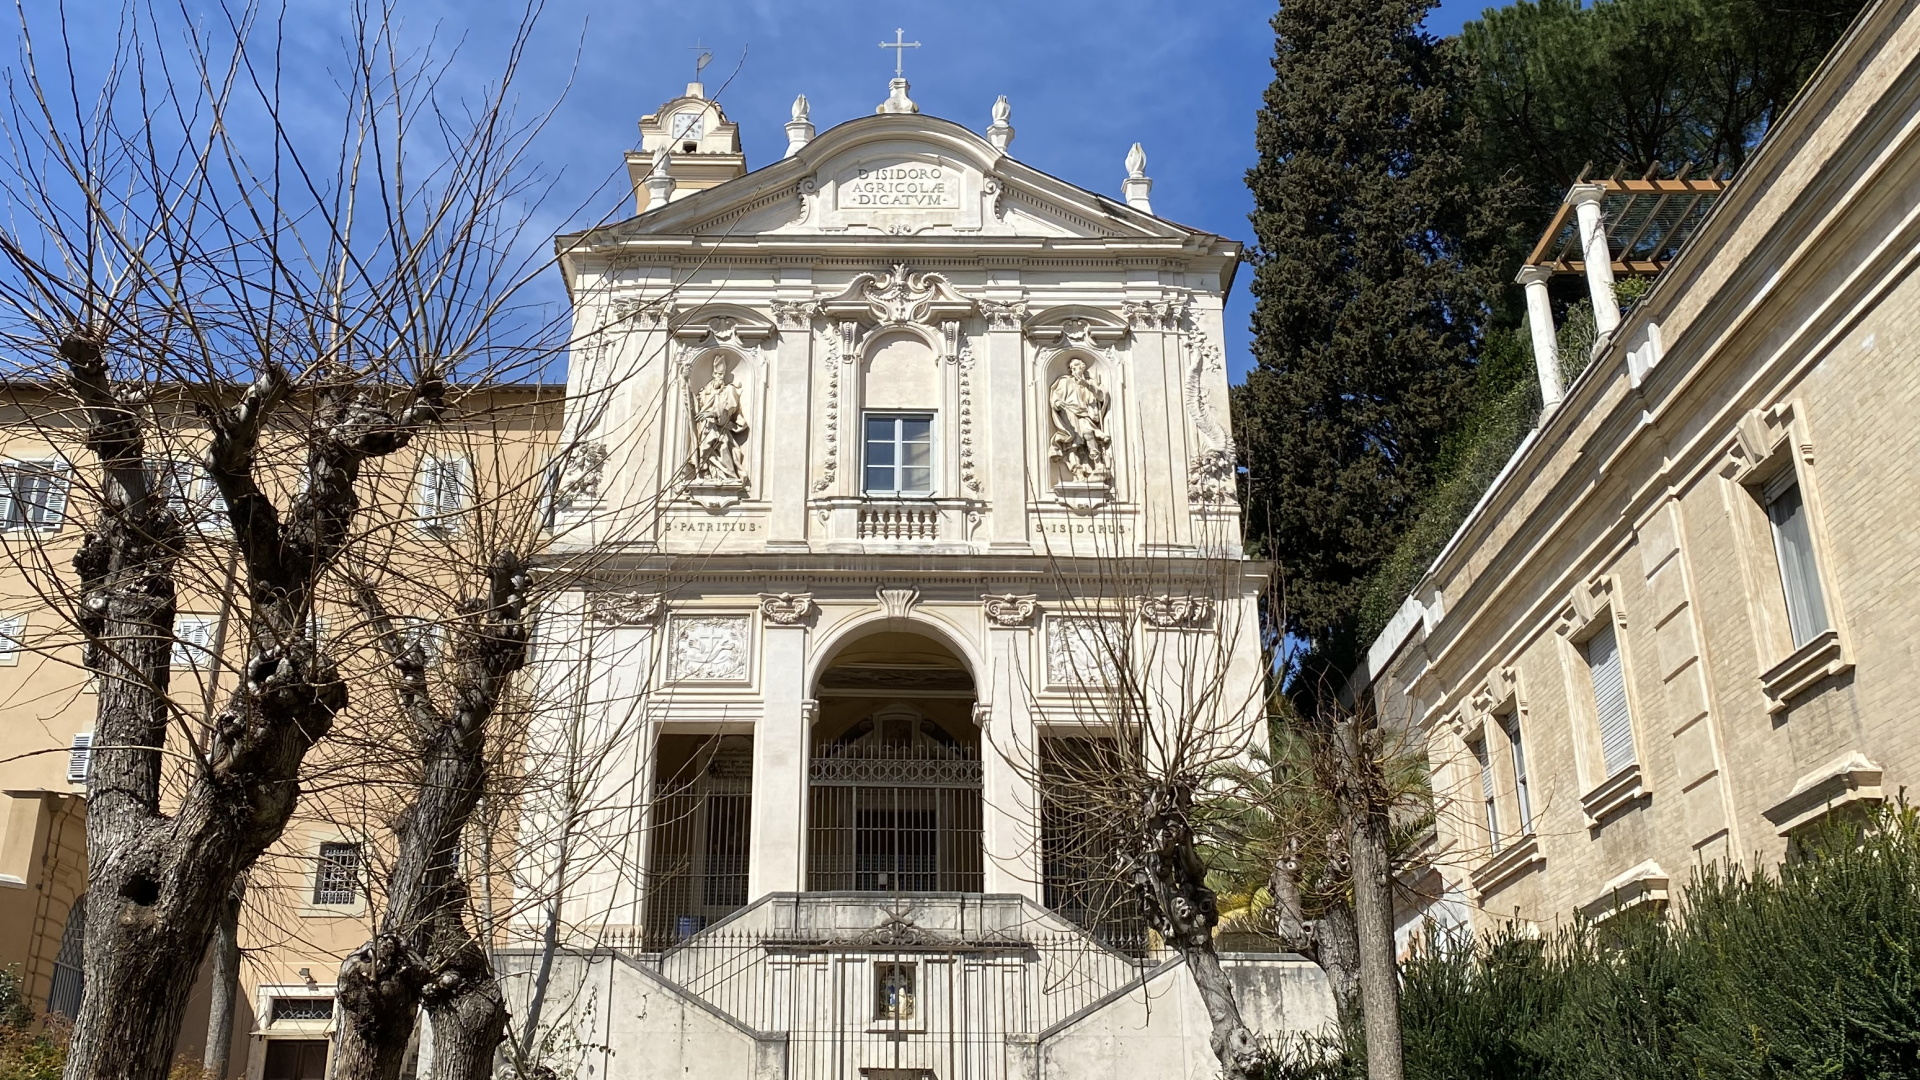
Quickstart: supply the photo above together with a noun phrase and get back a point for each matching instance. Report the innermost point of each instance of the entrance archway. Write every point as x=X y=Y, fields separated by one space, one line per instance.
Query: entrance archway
x=893 y=777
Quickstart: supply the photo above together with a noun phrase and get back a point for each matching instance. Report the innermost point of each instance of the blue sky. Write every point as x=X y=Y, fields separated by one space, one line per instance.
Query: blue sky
x=1086 y=79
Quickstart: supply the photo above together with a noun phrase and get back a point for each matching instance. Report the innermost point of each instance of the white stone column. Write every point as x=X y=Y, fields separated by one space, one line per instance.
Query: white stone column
x=1587 y=200
x=776 y=859
x=1546 y=347
x=1009 y=752
x=789 y=428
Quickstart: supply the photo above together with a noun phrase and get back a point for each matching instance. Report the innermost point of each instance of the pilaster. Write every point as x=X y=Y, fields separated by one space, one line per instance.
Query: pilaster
x=1007 y=441
x=787 y=477
x=776 y=857
x=1009 y=754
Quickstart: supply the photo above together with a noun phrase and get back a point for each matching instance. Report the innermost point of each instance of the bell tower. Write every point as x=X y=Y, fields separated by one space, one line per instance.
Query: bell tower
x=702 y=145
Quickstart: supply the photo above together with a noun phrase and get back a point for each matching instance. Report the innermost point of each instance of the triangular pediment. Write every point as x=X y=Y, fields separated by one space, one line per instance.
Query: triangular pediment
x=900 y=176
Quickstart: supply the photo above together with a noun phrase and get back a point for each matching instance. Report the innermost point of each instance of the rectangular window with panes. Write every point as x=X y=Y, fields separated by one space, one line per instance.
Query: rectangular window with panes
x=445 y=489
x=1610 y=709
x=33 y=495
x=1517 y=756
x=1793 y=547
x=336 y=881
x=899 y=454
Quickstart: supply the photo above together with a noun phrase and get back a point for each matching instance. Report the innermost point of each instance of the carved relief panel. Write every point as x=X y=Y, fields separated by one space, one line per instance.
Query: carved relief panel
x=708 y=648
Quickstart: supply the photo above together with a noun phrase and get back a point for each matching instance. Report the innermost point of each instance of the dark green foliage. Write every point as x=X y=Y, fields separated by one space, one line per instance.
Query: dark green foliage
x=1811 y=971
x=1560 y=88
x=1366 y=313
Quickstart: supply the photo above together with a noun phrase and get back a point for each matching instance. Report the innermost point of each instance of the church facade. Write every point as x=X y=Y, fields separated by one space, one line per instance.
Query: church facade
x=885 y=465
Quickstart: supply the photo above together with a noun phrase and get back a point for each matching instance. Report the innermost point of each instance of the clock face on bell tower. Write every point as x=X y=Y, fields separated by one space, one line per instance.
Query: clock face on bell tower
x=687 y=125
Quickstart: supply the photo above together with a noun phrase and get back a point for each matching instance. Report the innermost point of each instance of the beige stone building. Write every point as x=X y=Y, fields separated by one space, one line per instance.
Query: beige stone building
x=429 y=510
x=1680 y=625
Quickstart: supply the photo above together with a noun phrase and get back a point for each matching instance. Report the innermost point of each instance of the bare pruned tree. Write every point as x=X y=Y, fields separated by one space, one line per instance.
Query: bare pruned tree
x=1153 y=705
x=235 y=318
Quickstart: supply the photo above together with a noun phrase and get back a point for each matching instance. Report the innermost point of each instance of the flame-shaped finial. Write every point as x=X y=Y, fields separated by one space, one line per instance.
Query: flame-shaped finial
x=1136 y=162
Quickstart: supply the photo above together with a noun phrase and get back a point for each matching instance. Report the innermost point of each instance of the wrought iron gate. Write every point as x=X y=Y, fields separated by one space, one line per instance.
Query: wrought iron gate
x=894 y=819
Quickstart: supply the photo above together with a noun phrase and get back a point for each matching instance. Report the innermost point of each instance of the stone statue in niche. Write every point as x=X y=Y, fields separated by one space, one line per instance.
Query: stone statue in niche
x=719 y=430
x=1080 y=441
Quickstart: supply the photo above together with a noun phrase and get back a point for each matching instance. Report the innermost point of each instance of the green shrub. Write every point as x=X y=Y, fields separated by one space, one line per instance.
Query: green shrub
x=1810 y=971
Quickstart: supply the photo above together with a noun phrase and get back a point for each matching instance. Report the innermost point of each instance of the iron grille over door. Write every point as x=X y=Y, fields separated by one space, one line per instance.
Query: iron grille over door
x=894 y=819
x=697 y=865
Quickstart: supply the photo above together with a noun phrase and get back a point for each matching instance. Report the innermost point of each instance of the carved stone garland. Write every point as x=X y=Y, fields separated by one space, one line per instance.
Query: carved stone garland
x=969 y=475
x=838 y=350
x=1210 y=479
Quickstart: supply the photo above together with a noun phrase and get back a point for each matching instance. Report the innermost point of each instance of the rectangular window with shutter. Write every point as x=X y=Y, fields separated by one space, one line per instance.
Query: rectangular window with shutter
x=192 y=641
x=1610 y=698
x=1491 y=808
x=444 y=490
x=189 y=492
x=80 y=758
x=33 y=495
x=13 y=629
x=1793 y=546
x=1510 y=724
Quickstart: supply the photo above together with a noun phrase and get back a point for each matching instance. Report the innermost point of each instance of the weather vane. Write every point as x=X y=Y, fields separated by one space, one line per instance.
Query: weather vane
x=700 y=62
x=899 y=48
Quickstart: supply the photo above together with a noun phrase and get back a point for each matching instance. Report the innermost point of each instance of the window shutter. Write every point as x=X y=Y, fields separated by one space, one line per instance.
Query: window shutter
x=12 y=512
x=1610 y=700
x=80 y=758
x=11 y=629
x=192 y=641
x=443 y=492
x=211 y=506
x=53 y=508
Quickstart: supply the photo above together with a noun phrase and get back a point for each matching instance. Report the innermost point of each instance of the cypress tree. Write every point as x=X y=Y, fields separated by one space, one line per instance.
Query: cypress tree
x=1367 y=307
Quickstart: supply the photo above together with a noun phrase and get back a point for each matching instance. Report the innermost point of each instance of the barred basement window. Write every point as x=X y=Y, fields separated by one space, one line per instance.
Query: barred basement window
x=301 y=1008
x=337 y=880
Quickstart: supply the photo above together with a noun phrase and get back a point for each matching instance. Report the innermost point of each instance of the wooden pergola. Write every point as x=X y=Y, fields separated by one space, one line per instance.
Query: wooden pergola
x=1647 y=222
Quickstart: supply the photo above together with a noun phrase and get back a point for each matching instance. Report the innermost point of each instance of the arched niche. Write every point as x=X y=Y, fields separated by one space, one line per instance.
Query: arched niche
x=900 y=372
x=723 y=434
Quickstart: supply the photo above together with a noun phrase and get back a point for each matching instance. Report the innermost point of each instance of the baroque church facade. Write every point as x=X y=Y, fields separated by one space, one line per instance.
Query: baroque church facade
x=885 y=463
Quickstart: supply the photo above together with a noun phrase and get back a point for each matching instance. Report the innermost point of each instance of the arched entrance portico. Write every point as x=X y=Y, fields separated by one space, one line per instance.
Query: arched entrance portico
x=894 y=771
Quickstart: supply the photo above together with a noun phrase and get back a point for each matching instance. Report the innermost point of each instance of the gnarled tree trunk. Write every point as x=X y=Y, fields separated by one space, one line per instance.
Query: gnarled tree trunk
x=159 y=882
x=1170 y=880
x=421 y=953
